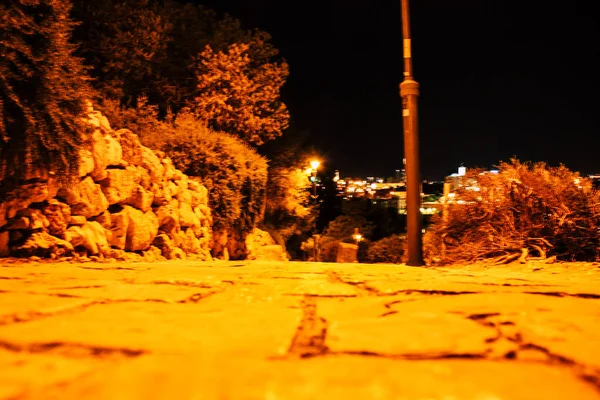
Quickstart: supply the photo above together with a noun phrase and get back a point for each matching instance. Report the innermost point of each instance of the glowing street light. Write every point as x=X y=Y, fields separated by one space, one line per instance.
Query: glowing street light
x=357 y=236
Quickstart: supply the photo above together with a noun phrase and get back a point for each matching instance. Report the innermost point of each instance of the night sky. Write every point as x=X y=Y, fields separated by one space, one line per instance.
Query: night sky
x=498 y=79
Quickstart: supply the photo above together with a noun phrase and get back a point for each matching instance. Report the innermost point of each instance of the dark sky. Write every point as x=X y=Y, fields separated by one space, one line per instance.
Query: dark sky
x=498 y=79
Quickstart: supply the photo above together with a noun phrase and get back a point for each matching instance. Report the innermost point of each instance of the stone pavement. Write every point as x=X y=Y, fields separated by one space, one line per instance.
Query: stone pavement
x=286 y=330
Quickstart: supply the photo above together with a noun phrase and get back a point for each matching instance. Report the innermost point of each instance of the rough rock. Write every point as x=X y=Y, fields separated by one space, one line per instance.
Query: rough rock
x=119 y=184
x=141 y=199
x=27 y=194
x=42 y=244
x=58 y=215
x=91 y=236
x=187 y=217
x=78 y=220
x=37 y=219
x=168 y=219
x=118 y=230
x=132 y=149
x=85 y=198
x=142 y=229
x=153 y=165
x=86 y=162
x=104 y=219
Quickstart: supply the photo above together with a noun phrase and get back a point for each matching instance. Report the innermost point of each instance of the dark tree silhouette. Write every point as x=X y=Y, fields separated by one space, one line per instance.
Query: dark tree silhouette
x=43 y=90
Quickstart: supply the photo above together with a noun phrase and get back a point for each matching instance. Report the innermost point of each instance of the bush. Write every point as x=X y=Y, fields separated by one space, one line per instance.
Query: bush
x=525 y=211
x=387 y=250
x=234 y=173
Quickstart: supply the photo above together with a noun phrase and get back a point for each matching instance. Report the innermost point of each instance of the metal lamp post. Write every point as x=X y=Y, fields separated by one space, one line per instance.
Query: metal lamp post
x=314 y=166
x=409 y=91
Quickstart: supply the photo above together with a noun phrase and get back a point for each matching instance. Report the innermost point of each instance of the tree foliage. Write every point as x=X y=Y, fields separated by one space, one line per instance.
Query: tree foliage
x=342 y=228
x=179 y=54
x=43 y=90
x=237 y=96
x=234 y=173
x=526 y=211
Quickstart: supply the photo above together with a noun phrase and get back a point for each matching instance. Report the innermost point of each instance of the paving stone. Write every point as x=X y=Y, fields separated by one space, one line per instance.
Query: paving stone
x=288 y=330
x=330 y=377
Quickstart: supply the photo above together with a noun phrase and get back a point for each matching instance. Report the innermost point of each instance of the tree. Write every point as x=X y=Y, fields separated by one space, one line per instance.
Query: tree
x=238 y=97
x=150 y=48
x=43 y=90
x=126 y=43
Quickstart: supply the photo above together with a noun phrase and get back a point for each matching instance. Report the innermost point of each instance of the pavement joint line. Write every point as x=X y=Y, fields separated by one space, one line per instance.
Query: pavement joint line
x=71 y=349
x=584 y=372
x=37 y=315
x=309 y=340
x=564 y=294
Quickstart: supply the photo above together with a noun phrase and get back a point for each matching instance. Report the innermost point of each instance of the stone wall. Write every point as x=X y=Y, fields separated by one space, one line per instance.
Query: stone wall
x=130 y=202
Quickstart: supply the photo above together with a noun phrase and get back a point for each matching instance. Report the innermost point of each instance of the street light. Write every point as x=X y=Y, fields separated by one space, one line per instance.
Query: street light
x=409 y=91
x=314 y=164
x=357 y=236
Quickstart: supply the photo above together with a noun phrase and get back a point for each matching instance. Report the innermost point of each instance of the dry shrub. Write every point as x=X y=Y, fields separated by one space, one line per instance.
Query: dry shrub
x=525 y=211
x=388 y=250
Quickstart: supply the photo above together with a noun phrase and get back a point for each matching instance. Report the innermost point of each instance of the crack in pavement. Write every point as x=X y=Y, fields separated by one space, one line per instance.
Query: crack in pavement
x=564 y=294
x=309 y=340
x=196 y=297
x=586 y=373
x=371 y=291
x=184 y=283
x=30 y=316
x=36 y=315
x=412 y=356
x=71 y=349
x=79 y=287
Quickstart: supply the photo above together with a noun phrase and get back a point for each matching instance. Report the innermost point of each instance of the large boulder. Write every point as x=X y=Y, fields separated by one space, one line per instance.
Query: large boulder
x=119 y=184
x=153 y=165
x=86 y=162
x=142 y=229
x=37 y=219
x=141 y=199
x=168 y=219
x=59 y=217
x=42 y=244
x=119 y=223
x=26 y=194
x=91 y=236
x=85 y=198
x=132 y=149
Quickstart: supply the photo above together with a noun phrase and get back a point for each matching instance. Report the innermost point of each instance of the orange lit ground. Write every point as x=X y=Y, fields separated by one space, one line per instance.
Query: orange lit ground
x=266 y=330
